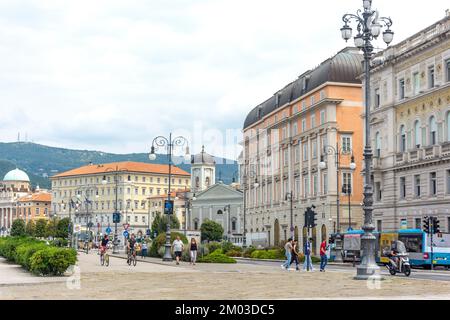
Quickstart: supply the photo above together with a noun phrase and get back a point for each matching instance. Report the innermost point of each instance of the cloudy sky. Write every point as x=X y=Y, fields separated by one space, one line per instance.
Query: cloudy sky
x=110 y=75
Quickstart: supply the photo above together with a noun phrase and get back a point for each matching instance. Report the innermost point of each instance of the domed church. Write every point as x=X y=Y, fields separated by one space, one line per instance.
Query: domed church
x=15 y=184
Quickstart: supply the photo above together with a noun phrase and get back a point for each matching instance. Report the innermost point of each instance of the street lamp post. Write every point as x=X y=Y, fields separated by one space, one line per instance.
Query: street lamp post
x=89 y=190
x=170 y=143
x=369 y=26
x=337 y=152
x=290 y=197
x=72 y=204
x=252 y=174
x=227 y=208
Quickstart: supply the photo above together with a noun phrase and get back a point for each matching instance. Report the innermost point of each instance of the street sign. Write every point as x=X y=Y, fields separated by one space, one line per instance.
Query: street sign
x=108 y=230
x=149 y=232
x=126 y=226
x=125 y=234
x=168 y=207
x=116 y=217
x=76 y=228
x=404 y=224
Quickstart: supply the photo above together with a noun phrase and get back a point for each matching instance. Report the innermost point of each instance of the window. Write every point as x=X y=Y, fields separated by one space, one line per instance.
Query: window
x=303 y=125
x=417 y=190
x=295 y=129
x=401 y=86
x=297 y=153
x=448 y=181
x=448 y=126
x=416 y=83
x=286 y=157
x=379 y=225
x=417 y=134
x=402 y=188
x=378 y=144
x=322 y=94
x=313 y=100
x=433 y=131
x=322 y=117
x=284 y=133
x=313 y=121
x=314 y=149
x=136 y=219
x=346 y=183
x=315 y=185
x=305 y=151
x=447 y=67
x=378 y=191
x=377 y=98
x=418 y=223
x=431 y=77
x=402 y=139
x=325 y=184
x=433 y=184
x=346 y=144
x=305 y=187
x=303 y=105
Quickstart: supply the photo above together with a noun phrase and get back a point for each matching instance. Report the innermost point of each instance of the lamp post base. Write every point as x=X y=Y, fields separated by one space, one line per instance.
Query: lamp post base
x=167 y=254
x=338 y=248
x=368 y=272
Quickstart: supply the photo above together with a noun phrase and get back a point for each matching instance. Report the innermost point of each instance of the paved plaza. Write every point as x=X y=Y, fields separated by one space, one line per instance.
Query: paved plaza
x=158 y=280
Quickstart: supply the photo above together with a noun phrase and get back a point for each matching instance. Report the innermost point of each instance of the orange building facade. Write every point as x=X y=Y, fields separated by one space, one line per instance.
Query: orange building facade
x=310 y=121
x=34 y=206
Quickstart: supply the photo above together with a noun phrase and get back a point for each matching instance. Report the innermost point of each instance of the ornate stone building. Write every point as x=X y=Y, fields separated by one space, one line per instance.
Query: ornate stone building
x=410 y=123
x=284 y=140
x=15 y=184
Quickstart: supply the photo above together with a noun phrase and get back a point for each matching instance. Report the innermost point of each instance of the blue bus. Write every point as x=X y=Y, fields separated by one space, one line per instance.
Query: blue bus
x=417 y=243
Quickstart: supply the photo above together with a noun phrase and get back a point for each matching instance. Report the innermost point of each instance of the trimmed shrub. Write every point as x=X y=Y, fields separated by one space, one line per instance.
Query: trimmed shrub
x=234 y=253
x=213 y=246
x=216 y=257
x=18 y=228
x=248 y=252
x=273 y=254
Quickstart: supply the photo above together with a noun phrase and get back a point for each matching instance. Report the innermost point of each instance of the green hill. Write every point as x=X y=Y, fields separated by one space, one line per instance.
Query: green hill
x=41 y=161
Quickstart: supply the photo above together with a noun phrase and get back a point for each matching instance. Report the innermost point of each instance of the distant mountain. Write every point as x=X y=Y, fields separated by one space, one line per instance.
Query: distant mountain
x=41 y=162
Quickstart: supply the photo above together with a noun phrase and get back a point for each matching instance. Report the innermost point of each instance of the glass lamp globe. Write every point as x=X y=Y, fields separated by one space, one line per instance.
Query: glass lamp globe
x=388 y=36
x=376 y=29
x=152 y=156
x=367 y=4
x=352 y=166
x=346 y=32
x=322 y=165
x=359 y=41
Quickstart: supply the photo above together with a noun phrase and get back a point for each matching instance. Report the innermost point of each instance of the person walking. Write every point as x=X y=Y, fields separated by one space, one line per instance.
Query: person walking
x=144 y=249
x=323 y=255
x=178 y=249
x=294 y=255
x=193 y=251
x=308 y=261
x=288 y=253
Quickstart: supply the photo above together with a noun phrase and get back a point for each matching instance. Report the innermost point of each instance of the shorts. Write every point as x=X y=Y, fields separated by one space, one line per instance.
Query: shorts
x=178 y=254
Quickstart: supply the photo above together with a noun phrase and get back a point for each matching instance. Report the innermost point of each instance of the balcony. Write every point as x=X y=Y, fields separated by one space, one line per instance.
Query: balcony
x=414 y=155
x=377 y=163
x=400 y=157
x=445 y=148
x=429 y=152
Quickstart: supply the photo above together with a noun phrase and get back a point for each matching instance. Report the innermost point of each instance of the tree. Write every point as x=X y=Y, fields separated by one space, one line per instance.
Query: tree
x=52 y=228
x=30 y=228
x=211 y=231
x=41 y=228
x=160 y=223
x=18 y=228
x=62 y=230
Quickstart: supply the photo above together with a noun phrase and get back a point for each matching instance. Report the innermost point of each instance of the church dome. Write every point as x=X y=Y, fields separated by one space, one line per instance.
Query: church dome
x=203 y=158
x=16 y=175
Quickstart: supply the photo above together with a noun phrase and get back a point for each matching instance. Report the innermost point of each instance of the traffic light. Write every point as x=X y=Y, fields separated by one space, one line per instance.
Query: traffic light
x=435 y=226
x=313 y=219
x=116 y=217
x=426 y=224
x=307 y=217
x=310 y=218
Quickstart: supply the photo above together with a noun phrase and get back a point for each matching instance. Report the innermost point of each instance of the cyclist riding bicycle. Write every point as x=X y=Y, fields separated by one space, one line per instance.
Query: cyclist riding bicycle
x=131 y=243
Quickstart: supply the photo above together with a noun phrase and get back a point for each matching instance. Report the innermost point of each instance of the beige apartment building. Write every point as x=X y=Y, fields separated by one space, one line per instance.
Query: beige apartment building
x=92 y=189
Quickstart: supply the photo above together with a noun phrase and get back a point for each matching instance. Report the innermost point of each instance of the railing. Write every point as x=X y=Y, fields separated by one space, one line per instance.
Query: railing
x=414 y=155
x=429 y=152
x=399 y=157
x=445 y=148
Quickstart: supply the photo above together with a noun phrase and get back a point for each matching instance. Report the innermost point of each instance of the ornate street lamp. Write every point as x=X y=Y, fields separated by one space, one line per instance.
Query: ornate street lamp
x=170 y=143
x=369 y=26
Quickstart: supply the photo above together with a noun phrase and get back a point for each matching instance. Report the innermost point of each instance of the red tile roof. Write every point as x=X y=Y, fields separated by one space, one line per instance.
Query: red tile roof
x=37 y=197
x=127 y=166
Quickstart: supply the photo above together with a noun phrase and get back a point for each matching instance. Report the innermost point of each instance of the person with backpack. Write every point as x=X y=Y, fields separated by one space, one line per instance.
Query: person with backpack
x=294 y=255
x=307 y=250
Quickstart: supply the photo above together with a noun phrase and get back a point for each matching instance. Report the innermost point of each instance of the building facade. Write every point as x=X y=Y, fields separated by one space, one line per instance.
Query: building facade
x=15 y=184
x=179 y=201
x=316 y=116
x=410 y=125
x=93 y=188
x=34 y=206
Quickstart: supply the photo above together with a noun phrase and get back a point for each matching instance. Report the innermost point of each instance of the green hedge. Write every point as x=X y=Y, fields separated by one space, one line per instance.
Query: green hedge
x=217 y=257
x=273 y=254
x=37 y=256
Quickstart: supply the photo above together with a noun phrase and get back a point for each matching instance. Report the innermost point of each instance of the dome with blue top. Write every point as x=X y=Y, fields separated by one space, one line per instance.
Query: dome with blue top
x=16 y=175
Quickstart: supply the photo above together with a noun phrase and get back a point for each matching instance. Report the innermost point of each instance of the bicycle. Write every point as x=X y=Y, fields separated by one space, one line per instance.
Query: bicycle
x=131 y=259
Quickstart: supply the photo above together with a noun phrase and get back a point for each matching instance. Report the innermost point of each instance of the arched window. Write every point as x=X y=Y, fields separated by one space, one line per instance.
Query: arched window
x=448 y=126
x=433 y=131
x=417 y=134
x=378 y=144
x=402 y=139
x=207 y=181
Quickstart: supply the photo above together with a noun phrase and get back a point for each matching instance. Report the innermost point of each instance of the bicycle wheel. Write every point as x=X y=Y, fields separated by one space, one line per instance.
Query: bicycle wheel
x=134 y=261
x=129 y=260
x=102 y=259
x=107 y=259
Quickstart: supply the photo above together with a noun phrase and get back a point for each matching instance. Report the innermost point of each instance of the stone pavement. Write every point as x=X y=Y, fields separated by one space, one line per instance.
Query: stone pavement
x=214 y=281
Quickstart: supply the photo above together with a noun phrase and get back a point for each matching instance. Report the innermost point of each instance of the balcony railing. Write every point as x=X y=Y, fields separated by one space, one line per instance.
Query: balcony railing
x=400 y=157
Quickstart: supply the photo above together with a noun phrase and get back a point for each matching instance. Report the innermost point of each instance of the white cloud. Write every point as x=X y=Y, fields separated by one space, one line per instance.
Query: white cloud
x=111 y=74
